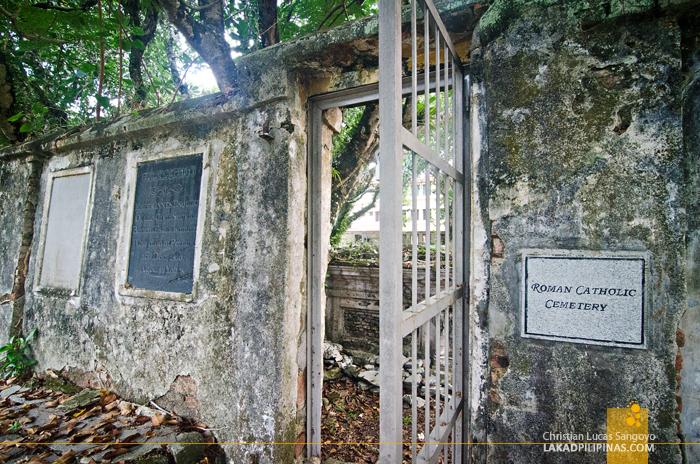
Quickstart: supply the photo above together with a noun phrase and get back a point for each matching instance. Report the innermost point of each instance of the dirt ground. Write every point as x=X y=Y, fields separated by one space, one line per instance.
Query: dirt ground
x=350 y=425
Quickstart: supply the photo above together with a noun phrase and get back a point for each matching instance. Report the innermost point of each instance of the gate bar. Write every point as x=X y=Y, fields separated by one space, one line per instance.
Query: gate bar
x=390 y=242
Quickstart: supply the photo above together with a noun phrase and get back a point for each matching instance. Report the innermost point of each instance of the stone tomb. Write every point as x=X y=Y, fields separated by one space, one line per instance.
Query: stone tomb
x=164 y=226
x=593 y=298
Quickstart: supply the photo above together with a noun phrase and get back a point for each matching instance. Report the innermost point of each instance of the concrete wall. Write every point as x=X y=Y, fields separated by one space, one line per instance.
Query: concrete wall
x=233 y=354
x=235 y=344
x=14 y=176
x=689 y=335
x=577 y=132
x=228 y=354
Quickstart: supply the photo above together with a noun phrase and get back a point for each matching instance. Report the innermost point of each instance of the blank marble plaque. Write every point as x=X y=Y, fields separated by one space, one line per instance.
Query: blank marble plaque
x=65 y=226
x=164 y=227
x=584 y=299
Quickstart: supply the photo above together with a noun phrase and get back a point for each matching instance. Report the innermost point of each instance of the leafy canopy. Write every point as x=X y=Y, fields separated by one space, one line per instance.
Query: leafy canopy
x=55 y=76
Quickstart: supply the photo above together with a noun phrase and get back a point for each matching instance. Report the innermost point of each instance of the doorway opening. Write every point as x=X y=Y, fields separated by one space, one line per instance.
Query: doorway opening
x=422 y=271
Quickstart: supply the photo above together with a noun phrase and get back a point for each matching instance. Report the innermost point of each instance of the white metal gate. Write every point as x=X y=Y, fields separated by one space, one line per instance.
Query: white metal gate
x=436 y=324
x=441 y=313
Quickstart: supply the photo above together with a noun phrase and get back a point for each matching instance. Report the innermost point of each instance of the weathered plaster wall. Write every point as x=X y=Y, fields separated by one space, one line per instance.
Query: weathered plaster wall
x=13 y=195
x=690 y=323
x=578 y=144
x=228 y=358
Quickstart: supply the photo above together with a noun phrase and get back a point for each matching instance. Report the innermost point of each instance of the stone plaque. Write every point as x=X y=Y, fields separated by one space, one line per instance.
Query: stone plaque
x=593 y=299
x=164 y=227
x=65 y=229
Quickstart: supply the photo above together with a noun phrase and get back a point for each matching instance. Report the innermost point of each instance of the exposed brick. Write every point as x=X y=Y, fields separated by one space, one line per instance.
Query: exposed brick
x=680 y=338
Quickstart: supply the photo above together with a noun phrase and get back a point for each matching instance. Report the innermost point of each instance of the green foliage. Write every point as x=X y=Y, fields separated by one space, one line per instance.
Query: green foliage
x=406 y=421
x=14 y=427
x=341 y=224
x=300 y=17
x=361 y=252
x=349 y=126
x=52 y=52
x=15 y=362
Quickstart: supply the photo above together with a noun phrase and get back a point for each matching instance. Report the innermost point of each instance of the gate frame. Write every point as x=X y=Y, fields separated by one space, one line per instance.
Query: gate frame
x=315 y=319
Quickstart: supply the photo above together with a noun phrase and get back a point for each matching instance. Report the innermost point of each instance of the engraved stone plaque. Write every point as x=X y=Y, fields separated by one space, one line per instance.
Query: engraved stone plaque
x=164 y=227
x=595 y=298
x=63 y=245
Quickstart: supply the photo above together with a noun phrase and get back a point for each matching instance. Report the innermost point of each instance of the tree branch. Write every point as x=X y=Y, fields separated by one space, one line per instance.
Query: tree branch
x=351 y=161
x=48 y=6
x=207 y=36
x=149 y=24
x=328 y=15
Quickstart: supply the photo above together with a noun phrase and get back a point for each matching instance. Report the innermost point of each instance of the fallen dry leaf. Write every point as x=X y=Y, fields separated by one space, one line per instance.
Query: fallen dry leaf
x=90 y=413
x=111 y=405
x=53 y=424
x=66 y=458
x=36 y=460
x=97 y=449
x=115 y=453
x=110 y=415
x=157 y=419
x=77 y=436
x=105 y=400
x=125 y=408
x=131 y=438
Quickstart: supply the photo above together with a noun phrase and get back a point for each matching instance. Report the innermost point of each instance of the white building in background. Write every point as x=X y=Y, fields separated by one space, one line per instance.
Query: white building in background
x=365 y=229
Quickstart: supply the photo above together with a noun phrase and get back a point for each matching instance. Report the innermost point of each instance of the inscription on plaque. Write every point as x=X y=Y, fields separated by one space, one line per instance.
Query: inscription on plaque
x=584 y=299
x=164 y=227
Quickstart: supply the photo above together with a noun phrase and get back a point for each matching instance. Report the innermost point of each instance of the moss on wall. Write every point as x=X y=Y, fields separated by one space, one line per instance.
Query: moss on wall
x=585 y=152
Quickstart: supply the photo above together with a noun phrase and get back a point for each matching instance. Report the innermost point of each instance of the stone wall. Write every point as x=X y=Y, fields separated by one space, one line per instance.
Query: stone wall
x=577 y=144
x=234 y=340
x=228 y=352
x=14 y=176
x=689 y=335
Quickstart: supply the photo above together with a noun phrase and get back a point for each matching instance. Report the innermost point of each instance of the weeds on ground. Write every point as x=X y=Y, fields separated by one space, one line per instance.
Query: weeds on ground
x=16 y=362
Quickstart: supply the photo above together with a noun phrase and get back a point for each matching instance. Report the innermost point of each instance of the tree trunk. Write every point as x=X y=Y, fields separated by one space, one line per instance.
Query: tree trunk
x=8 y=103
x=206 y=35
x=149 y=24
x=351 y=162
x=269 y=33
x=172 y=62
